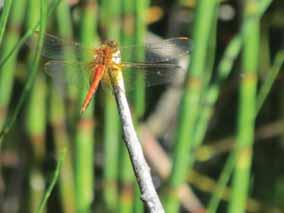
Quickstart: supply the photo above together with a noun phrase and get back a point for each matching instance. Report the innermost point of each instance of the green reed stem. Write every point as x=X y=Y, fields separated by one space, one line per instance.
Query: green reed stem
x=205 y=106
x=111 y=141
x=126 y=177
x=7 y=71
x=212 y=93
x=29 y=83
x=126 y=174
x=65 y=29
x=224 y=68
x=36 y=124
x=211 y=51
x=25 y=37
x=85 y=155
x=36 y=121
x=189 y=105
x=62 y=141
x=245 y=135
x=4 y=18
x=139 y=92
x=228 y=168
x=221 y=185
x=270 y=79
x=140 y=33
x=53 y=182
x=110 y=16
x=60 y=114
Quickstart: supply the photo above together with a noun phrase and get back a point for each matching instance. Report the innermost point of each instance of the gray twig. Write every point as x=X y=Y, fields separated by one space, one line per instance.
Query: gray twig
x=140 y=166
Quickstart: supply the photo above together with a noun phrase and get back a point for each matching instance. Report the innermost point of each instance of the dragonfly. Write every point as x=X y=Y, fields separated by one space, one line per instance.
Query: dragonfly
x=108 y=60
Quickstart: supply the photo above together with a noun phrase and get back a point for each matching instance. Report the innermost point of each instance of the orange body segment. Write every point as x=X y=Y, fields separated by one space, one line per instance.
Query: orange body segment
x=97 y=76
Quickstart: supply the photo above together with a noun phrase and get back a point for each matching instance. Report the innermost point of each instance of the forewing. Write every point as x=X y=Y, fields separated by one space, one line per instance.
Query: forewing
x=59 y=49
x=164 y=51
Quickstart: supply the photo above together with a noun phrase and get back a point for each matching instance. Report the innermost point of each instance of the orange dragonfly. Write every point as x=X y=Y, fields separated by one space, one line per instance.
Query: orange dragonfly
x=159 y=64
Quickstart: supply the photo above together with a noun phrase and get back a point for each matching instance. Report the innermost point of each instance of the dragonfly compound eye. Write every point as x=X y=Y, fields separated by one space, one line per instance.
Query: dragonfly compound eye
x=112 y=44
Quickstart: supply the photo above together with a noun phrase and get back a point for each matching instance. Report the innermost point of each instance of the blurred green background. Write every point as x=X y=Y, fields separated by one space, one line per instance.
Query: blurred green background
x=214 y=141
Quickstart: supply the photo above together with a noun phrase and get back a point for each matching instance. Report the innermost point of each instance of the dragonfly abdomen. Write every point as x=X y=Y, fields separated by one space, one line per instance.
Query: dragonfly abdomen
x=98 y=74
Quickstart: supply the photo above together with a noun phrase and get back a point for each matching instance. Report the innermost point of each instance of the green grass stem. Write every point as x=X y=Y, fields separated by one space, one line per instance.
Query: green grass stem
x=7 y=71
x=230 y=163
x=190 y=102
x=85 y=154
x=212 y=93
x=32 y=75
x=60 y=114
x=247 y=107
x=62 y=140
x=221 y=184
x=209 y=95
x=270 y=79
x=53 y=181
x=110 y=16
x=140 y=33
x=4 y=18
x=126 y=174
x=26 y=35
x=224 y=68
x=36 y=124
x=140 y=8
x=36 y=121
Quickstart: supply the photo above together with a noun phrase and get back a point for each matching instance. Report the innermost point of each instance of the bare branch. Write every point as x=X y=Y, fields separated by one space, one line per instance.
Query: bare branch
x=161 y=163
x=140 y=166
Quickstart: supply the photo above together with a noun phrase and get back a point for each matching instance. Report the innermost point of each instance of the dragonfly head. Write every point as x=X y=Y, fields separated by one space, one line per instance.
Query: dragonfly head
x=116 y=58
x=112 y=44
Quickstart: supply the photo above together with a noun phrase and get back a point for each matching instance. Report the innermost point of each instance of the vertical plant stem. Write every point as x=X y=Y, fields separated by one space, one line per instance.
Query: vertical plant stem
x=4 y=18
x=85 y=154
x=7 y=71
x=65 y=28
x=189 y=104
x=59 y=114
x=221 y=185
x=111 y=145
x=211 y=51
x=245 y=134
x=28 y=33
x=139 y=92
x=126 y=174
x=271 y=76
x=229 y=165
x=224 y=68
x=140 y=32
x=111 y=133
x=212 y=93
x=207 y=94
x=61 y=141
x=36 y=122
x=53 y=182
x=32 y=74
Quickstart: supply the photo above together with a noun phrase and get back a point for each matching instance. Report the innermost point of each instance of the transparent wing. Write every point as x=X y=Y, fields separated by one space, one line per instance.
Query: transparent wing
x=65 y=73
x=164 y=51
x=153 y=74
x=59 y=49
